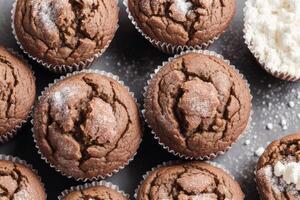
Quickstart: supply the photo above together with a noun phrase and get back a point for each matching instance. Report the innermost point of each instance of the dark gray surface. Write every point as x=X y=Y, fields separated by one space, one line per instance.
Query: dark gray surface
x=133 y=59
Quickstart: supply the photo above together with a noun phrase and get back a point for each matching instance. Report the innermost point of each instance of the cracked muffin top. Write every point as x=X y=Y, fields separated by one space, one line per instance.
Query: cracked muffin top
x=189 y=181
x=17 y=91
x=197 y=105
x=95 y=192
x=18 y=182
x=64 y=32
x=182 y=22
x=277 y=174
x=87 y=125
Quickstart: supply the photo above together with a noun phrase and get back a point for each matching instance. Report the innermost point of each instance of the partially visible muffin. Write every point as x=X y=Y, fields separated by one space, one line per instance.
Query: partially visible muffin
x=277 y=173
x=182 y=22
x=197 y=105
x=17 y=92
x=87 y=125
x=195 y=180
x=95 y=192
x=19 y=182
x=62 y=32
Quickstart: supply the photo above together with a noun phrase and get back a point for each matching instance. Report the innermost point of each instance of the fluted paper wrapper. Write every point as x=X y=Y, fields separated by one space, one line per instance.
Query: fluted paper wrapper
x=89 y=185
x=59 y=69
x=167 y=47
x=107 y=74
x=180 y=155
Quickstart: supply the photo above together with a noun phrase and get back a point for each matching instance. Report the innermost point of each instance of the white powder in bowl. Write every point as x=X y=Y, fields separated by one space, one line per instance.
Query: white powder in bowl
x=272 y=30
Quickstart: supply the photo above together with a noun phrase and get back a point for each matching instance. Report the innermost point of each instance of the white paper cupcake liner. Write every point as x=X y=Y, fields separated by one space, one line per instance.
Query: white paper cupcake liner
x=107 y=74
x=171 y=163
x=23 y=162
x=166 y=47
x=89 y=185
x=59 y=69
x=278 y=74
x=12 y=133
x=213 y=155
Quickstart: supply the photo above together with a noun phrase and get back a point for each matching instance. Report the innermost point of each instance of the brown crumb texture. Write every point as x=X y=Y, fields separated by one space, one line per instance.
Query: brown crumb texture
x=198 y=23
x=196 y=180
x=87 y=125
x=286 y=149
x=17 y=91
x=65 y=32
x=95 y=193
x=197 y=105
x=18 y=182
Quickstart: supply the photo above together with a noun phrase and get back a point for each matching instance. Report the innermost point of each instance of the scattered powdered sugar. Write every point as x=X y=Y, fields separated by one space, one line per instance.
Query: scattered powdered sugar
x=247 y=142
x=283 y=122
x=259 y=151
x=284 y=176
x=281 y=110
x=59 y=98
x=269 y=126
x=183 y=6
x=202 y=107
x=292 y=104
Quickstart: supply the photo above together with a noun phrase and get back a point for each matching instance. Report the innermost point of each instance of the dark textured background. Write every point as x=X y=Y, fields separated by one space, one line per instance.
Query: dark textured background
x=132 y=58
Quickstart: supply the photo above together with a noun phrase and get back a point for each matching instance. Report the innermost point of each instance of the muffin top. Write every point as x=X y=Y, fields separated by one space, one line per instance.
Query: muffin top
x=87 y=125
x=19 y=182
x=95 y=192
x=17 y=91
x=195 y=180
x=182 y=22
x=197 y=105
x=278 y=169
x=65 y=32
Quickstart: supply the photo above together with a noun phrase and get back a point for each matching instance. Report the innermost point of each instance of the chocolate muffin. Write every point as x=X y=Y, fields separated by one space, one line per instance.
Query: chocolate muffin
x=197 y=105
x=95 y=192
x=182 y=22
x=277 y=173
x=17 y=92
x=62 y=32
x=87 y=125
x=19 y=182
x=195 y=180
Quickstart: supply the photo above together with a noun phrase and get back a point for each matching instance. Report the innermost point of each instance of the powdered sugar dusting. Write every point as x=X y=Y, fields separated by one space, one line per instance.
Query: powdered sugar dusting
x=259 y=151
x=283 y=177
x=44 y=13
x=61 y=97
x=183 y=6
x=22 y=194
x=47 y=11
